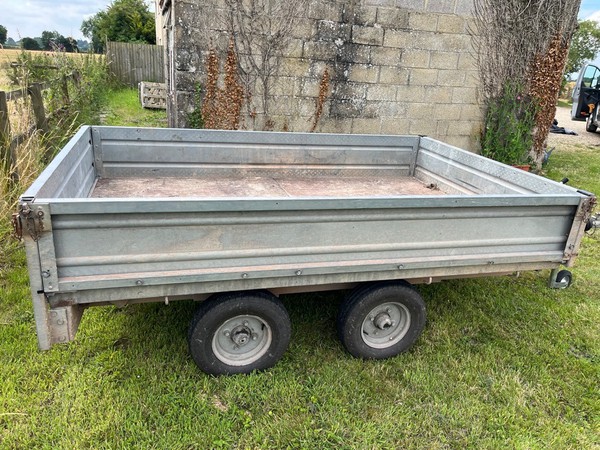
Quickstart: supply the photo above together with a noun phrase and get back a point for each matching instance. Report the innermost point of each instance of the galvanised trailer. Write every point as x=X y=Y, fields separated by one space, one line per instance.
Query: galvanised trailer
x=235 y=218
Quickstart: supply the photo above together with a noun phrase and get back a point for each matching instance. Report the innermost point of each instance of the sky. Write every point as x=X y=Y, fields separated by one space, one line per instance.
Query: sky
x=28 y=18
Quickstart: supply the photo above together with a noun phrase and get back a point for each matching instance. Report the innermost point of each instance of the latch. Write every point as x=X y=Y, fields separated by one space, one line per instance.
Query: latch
x=26 y=218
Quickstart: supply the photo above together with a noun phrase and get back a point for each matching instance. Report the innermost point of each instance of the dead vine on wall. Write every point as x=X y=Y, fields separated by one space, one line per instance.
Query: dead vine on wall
x=262 y=31
x=546 y=76
x=221 y=108
x=323 y=93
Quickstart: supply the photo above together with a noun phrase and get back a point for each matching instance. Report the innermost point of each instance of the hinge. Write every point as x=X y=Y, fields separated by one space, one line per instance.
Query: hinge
x=32 y=221
x=17 y=226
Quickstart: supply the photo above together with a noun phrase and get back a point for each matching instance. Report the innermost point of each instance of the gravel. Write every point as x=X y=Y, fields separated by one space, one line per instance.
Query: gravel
x=563 y=115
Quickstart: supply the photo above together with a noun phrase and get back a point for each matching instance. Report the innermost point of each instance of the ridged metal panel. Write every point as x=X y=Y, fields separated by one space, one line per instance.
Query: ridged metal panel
x=71 y=174
x=456 y=170
x=107 y=250
x=177 y=152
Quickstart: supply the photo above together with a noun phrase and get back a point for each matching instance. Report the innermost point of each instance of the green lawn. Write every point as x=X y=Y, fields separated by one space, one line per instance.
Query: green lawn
x=125 y=110
x=502 y=363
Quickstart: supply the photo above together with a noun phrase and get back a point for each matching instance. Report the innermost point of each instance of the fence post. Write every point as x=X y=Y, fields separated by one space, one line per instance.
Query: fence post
x=37 y=104
x=6 y=160
x=4 y=122
x=65 y=90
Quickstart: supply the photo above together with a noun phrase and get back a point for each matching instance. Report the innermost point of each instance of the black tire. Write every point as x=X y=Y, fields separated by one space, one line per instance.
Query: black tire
x=239 y=333
x=589 y=125
x=381 y=320
x=564 y=278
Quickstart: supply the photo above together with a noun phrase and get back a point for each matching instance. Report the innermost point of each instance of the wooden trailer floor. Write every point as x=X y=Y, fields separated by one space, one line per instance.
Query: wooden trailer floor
x=264 y=187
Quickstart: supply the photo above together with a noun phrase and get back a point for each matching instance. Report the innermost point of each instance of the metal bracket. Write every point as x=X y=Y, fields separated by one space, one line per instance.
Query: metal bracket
x=32 y=221
x=17 y=226
x=63 y=323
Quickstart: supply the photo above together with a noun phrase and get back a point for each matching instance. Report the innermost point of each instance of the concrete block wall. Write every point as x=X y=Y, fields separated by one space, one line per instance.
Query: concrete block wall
x=397 y=66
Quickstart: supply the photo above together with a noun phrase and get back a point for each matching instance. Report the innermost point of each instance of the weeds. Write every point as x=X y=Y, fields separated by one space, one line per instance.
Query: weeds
x=195 y=119
x=75 y=93
x=509 y=124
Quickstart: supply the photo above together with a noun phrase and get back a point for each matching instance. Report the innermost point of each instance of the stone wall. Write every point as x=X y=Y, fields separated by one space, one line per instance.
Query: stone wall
x=396 y=66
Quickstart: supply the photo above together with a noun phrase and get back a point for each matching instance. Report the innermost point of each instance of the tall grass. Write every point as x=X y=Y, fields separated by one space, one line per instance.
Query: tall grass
x=88 y=83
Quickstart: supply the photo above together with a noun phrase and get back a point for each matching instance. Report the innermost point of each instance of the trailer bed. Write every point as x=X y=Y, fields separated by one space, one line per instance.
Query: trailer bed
x=285 y=186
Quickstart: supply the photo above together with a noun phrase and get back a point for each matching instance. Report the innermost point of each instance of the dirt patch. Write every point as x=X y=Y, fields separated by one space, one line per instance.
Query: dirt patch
x=563 y=115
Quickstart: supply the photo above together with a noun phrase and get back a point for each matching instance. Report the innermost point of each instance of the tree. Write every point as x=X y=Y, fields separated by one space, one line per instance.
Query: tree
x=83 y=45
x=50 y=39
x=28 y=43
x=53 y=40
x=585 y=45
x=3 y=34
x=123 y=21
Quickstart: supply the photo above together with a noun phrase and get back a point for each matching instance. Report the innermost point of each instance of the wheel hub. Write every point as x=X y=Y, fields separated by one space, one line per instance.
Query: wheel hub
x=242 y=340
x=241 y=335
x=383 y=321
x=386 y=325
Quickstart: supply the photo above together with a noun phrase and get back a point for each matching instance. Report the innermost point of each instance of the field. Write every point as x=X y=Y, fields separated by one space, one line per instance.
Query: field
x=503 y=363
x=10 y=55
x=6 y=57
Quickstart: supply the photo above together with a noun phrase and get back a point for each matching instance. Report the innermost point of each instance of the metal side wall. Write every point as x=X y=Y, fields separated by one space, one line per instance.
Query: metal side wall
x=127 y=152
x=457 y=171
x=136 y=249
x=71 y=174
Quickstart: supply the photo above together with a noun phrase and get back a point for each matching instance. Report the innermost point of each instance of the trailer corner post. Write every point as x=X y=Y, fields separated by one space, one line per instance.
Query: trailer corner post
x=40 y=304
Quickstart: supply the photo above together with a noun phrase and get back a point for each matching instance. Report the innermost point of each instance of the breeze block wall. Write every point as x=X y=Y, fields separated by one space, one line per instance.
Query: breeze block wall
x=395 y=67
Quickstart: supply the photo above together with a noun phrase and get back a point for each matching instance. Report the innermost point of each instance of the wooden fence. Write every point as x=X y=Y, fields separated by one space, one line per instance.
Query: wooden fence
x=134 y=63
x=9 y=142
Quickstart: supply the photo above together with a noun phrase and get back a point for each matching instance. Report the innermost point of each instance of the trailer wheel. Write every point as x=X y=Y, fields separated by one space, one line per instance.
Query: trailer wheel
x=381 y=320
x=564 y=278
x=239 y=333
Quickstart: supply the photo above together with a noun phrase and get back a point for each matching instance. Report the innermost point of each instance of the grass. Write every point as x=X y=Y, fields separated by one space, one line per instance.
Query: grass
x=125 y=110
x=503 y=363
x=564 y=103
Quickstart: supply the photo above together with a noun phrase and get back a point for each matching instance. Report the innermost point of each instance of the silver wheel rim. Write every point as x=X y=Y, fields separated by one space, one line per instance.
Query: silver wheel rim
x=385 y=325
x=242 y=340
